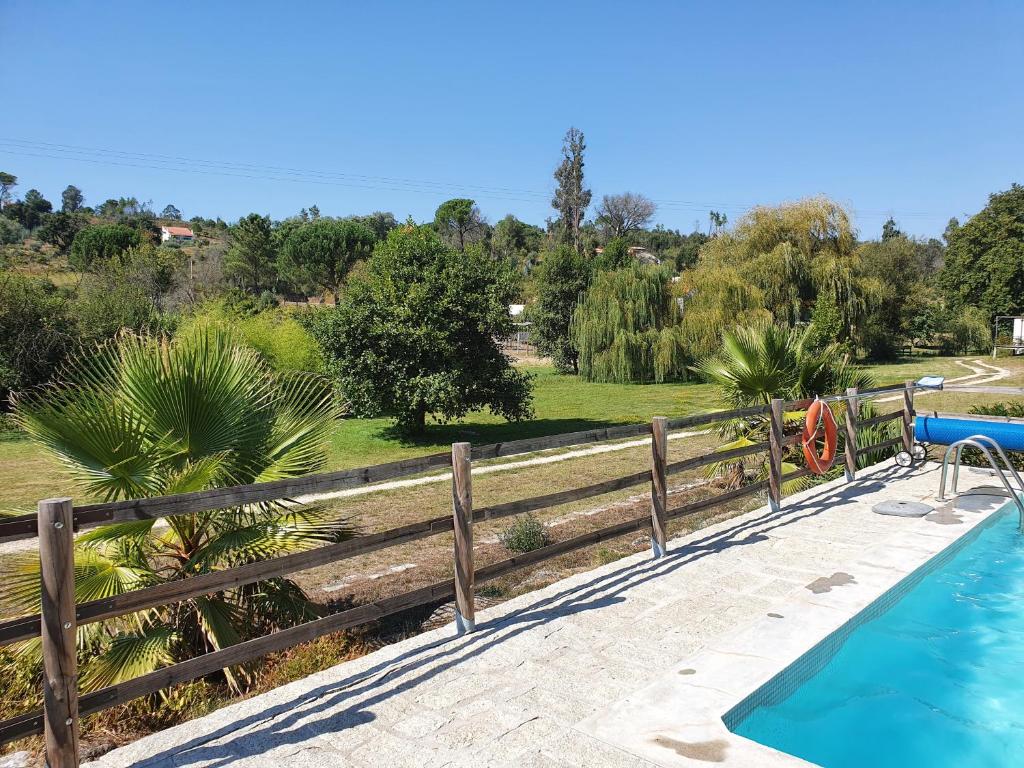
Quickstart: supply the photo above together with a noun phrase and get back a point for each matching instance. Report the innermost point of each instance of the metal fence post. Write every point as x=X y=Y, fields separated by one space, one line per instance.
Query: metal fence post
x=462 y=508
x=59 y=629
x=908 y=416
x=775 y=457
x=852 y=415
x=659 y=487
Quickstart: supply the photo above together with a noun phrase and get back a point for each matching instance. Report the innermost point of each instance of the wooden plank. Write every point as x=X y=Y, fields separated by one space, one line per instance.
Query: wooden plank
x=908 y=417
x=199 y=666
x=261 y=646
x=775 y=450
x=462 y=515
x=659 y=485
x=702 y=419
x=697 y=506
x=493 y=571
x=218 y=498
x=22 y=726
x=881 y=419
x=19 y=527
x=27 y=627
x=60 y=661
x=880 y=446
x=852 y=416
x=530 y=445
x=560 y=497
x=714 y=456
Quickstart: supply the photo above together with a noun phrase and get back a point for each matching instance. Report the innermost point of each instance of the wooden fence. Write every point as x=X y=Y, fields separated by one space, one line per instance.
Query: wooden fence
x=58 y=519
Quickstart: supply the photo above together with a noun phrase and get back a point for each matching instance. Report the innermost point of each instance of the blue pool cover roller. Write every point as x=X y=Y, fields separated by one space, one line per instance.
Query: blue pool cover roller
x=944 y=431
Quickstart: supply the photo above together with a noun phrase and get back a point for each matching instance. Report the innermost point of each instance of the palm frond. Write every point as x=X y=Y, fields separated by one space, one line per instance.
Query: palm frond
x=129 y=656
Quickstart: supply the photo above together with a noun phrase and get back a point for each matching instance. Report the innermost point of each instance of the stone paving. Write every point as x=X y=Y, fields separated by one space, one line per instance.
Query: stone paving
x=557 y=677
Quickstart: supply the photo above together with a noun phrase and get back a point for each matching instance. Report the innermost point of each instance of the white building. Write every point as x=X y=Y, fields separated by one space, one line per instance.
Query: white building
x=177 y=234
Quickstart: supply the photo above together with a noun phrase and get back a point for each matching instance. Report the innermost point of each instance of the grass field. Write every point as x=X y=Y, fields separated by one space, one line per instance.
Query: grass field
x=562 y=404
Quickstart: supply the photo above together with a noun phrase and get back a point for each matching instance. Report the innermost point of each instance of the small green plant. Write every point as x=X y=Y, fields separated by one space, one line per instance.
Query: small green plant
x=526 y=534
x=605 y=555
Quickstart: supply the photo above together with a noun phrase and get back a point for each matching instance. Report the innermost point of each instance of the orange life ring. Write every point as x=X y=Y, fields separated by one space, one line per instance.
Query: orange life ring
x=820 y=412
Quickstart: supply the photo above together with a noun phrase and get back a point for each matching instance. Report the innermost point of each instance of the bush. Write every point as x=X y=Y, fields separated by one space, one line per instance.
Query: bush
x=37 y=332
x=276 y=334
x=526 y=534
x=11 y=232
x=101 y=243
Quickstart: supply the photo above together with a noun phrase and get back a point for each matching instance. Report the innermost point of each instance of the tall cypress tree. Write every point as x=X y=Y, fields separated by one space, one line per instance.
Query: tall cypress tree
x=571 y=199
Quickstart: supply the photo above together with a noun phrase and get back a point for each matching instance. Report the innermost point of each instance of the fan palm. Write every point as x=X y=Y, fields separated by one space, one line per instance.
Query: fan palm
x=761 y=362
x=144 y=417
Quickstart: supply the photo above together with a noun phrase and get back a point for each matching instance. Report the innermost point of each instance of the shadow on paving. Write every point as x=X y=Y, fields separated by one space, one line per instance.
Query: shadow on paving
x=319 y=706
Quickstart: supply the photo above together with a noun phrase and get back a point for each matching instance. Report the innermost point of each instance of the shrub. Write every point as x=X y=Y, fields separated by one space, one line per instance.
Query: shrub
x=276 y=334
x=526 y=534
x=101 y=243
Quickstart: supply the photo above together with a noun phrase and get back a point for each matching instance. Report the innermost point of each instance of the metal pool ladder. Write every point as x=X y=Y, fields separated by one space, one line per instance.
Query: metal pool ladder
x=979 y=442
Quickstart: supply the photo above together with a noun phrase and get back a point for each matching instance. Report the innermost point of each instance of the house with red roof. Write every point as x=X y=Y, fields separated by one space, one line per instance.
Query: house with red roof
x=176 y=234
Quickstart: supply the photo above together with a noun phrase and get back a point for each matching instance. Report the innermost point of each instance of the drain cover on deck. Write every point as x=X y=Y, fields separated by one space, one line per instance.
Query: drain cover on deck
x=902 y=508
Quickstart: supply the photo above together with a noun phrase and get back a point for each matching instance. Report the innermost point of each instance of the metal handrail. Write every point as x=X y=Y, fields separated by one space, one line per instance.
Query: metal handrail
x=974 y=443
x=1002 y=454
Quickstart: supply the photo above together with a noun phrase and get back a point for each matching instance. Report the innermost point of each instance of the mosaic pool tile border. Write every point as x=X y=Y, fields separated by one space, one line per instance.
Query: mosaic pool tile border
x=787 y=680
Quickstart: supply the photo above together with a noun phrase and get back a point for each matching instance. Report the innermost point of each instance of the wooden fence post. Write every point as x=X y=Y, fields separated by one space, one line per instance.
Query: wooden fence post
x=908 y=416
x=462 y=508
x=659 y=487
x=775 y=457
x=59 y=629
x=852 y=414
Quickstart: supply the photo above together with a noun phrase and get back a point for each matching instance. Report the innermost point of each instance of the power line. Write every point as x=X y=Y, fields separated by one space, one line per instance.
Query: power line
x=253 y=171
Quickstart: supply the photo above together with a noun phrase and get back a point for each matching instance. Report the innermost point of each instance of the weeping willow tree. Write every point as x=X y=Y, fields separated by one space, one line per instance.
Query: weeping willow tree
x=791 y=254
x=627 y=329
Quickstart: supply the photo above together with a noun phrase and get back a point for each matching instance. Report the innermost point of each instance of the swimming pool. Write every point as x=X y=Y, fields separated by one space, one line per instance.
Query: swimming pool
x=935 y=679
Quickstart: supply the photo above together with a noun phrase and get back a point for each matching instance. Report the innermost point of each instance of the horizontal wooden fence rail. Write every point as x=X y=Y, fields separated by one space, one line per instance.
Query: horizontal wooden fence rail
x=461 y=522
x=880 y=419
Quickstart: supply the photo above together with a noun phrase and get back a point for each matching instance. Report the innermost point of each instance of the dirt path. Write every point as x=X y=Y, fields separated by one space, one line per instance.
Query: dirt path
x=489 y=468
x=980 y=373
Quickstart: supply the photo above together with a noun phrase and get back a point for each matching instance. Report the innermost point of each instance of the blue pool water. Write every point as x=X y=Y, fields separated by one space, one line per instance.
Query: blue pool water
x=937 y=680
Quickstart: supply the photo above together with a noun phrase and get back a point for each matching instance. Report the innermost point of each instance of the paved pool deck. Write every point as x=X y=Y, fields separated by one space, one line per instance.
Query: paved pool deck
x=630 y=664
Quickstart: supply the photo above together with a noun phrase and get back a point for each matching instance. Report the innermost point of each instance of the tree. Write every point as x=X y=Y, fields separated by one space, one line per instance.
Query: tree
x=250 y=260
x=517 y=242
x=71 y=199
x=171 y=212
x=416 y=333
x=626 y=327
x=562 y=278
x=619 y=215
x=11 y=232
x=615 y=255
x=718 y=222
x=890 y=230
x=984 y=264
x=791 y=253
x=323 y=251
x=379 y=222
x=37 y=331
x=114 y=420
x=457 y=220
x=571 y=199
x=59 y=229
x=101 y=242
x=29 y=212
x=8 y=181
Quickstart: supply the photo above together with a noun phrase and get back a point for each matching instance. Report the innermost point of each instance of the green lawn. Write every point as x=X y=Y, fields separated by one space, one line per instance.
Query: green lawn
x=562 y=404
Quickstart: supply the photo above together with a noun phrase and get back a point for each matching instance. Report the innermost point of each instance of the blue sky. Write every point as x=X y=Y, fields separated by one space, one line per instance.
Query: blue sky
x=912 y=109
